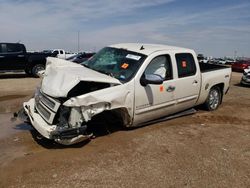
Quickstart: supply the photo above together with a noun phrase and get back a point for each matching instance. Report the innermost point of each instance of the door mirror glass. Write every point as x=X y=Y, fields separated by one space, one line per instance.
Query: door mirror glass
x=151 y=79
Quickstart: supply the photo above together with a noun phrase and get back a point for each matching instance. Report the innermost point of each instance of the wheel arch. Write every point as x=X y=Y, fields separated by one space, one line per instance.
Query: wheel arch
x=221 y=88
x=121 y=114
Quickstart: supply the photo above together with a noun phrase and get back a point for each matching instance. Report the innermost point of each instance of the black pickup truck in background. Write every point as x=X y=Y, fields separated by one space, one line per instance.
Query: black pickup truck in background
x=14 y=57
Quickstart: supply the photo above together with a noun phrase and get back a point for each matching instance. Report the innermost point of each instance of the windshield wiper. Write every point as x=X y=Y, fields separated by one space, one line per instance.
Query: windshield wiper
x=101 y=71
x=85 y=66
x=105 y=72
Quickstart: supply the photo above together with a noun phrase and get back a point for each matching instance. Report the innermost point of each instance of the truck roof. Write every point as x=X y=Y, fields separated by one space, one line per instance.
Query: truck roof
x=149 y=48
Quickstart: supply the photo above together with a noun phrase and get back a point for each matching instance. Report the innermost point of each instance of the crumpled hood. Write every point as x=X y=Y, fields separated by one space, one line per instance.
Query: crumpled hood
x=61 y=76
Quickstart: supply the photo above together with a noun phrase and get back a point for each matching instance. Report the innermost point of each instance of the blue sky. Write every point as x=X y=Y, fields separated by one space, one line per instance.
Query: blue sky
x=215 y=28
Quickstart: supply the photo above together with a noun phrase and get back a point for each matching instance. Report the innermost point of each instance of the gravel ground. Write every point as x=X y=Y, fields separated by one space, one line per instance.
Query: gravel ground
x=206 y=149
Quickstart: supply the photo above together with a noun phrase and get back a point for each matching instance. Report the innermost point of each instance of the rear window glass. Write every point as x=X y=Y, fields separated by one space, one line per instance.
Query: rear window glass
x=185 y=64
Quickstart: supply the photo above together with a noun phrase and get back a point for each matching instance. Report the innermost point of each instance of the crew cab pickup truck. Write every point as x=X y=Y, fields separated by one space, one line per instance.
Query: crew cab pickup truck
x=137 y=82
x=14 y=57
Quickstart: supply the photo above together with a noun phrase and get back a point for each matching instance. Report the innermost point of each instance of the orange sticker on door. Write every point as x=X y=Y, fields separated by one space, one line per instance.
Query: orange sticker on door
x=124 y=65
x=161 y=88
x=184 y=64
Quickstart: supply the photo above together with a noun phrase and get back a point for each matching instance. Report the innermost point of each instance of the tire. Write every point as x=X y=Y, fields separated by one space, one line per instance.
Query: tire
x=28 y=72
x=36 y=69
x=214 y=99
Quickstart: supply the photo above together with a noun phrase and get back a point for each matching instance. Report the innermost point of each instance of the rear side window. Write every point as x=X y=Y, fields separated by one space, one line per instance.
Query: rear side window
x=185 y=64
x=61 y=52
x=13 y=48
x=1 y=51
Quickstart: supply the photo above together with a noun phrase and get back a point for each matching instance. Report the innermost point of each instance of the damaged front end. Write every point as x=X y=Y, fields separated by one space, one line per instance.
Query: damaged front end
x=54 y=121
x=65 y=119
x=69 y=98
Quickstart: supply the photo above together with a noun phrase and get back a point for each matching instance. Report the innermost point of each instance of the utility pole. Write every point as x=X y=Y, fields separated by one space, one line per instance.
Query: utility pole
x=235 y=55
x=78 y=41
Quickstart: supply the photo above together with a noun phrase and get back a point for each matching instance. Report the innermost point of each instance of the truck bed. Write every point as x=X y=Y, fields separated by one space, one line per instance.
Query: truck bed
x=207 y=67
x=212 y=75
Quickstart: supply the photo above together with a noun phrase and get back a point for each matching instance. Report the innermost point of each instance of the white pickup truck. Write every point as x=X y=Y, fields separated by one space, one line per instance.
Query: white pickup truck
x=137 y=82
x=62 y=54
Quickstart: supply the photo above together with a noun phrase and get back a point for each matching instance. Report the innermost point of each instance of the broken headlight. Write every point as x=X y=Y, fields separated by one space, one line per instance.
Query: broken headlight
x=64 y=114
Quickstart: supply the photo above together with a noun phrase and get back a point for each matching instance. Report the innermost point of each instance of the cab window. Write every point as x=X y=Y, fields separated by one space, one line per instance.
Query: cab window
x=160 y=65
x=185 y=64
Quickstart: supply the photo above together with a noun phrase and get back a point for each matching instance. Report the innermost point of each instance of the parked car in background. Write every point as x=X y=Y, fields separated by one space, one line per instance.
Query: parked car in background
x=221 y=61
x=245 y=80
x=239 y=66
x=229 y=61
x=62 y=54
x=14 y=57
x=80 y=58
x=213 y=61
x=202 y=59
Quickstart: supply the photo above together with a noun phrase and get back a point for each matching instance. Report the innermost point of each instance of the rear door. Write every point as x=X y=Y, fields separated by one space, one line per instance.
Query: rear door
x=188 y=81
x=154 y=101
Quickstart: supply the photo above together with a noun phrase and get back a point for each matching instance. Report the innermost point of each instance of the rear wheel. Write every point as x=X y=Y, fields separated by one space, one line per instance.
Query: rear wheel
x=214 y=99
x=36 y=69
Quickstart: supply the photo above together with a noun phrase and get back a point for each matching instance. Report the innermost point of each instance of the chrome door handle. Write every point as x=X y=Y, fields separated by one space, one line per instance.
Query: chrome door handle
x=170 y=88
x=1 y=56
x=20 y=56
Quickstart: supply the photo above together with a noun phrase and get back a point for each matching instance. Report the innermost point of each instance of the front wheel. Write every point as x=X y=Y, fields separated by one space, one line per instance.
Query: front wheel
x=28 y=71
x=214 y=99
x=36 y=69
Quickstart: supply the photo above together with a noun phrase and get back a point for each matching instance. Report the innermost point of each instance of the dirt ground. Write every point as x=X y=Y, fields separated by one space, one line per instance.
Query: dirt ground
x=206 y=149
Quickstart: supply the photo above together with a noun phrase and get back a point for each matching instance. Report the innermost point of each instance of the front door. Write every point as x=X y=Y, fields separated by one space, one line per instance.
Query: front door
x=154 y=101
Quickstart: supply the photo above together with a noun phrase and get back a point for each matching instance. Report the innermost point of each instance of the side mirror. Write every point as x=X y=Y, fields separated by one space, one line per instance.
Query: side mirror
x=151 y=79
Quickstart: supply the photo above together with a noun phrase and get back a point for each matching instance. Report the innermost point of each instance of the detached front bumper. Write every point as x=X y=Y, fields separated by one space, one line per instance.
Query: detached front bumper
x=65 y=137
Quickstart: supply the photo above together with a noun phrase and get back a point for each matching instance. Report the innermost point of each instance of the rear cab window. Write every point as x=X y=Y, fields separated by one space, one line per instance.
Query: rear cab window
x=185 y=64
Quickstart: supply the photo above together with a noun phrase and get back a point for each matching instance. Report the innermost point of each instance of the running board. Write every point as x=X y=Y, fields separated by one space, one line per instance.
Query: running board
x=180 y=114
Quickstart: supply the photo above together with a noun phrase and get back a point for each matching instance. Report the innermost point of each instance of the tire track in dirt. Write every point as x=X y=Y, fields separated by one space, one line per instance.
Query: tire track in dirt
x=221 y=119
x=10 y=97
